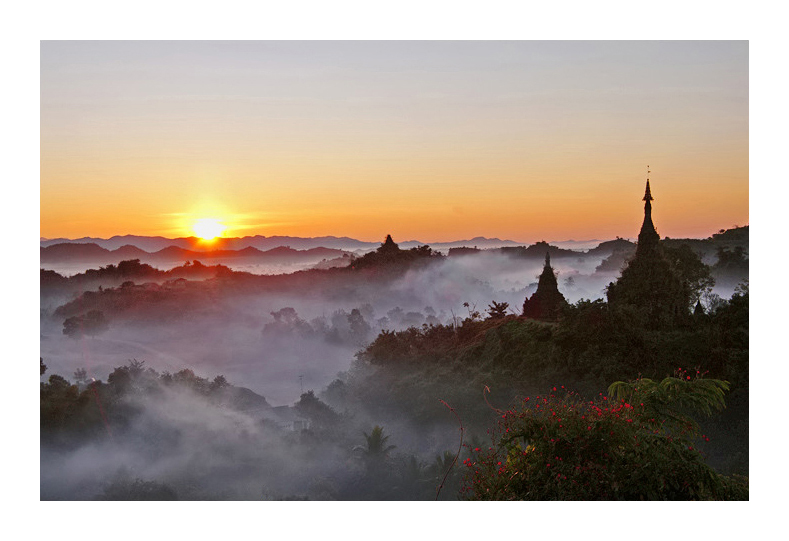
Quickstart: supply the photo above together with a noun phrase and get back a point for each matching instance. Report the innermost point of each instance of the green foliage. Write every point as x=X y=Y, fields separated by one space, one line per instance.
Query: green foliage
x=590 y=346
x=587 y=348
x=391 y=347
x=560 y=447
x=674 y=398
x=376 y=444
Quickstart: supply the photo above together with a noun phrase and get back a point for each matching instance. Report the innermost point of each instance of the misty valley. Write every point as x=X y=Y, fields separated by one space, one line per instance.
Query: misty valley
x=332 y=369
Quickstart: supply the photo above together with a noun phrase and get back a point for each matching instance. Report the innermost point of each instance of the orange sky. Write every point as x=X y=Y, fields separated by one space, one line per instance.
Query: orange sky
x=433 y=141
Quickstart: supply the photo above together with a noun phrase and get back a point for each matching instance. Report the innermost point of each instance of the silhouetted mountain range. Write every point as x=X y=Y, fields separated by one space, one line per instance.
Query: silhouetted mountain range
x=93 y=253
x=150 y=245
x=154 y=244
x=285 y=248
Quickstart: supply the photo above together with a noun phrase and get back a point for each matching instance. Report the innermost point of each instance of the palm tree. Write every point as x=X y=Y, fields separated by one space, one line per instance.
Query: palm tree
x=376 y=444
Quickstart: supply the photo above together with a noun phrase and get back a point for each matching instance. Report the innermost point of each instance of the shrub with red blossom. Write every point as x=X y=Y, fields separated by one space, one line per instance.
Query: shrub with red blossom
x=560 y=447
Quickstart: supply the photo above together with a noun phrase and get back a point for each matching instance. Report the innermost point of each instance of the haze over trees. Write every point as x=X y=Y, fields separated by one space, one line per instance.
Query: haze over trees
x=370 y=354
x=91 y=324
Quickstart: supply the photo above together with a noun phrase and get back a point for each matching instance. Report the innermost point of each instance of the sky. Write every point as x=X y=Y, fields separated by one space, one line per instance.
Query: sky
x=424 y=140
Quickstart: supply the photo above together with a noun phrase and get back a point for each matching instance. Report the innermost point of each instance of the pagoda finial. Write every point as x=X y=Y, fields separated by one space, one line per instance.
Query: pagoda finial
x=648 y=193
x=547 y=259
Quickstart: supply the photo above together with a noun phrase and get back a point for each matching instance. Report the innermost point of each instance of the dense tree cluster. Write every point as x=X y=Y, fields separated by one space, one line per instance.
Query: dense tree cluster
x=73 y=411
x=127 y=271
x=588 y=347
x=90 y=323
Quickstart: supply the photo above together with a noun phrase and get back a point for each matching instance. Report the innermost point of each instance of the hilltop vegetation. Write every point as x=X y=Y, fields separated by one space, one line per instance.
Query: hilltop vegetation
x=590 y=346
x=390 y=257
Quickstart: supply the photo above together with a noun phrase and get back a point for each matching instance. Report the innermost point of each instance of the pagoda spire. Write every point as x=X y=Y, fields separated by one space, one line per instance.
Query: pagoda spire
x=648 y=236
x=648 y=195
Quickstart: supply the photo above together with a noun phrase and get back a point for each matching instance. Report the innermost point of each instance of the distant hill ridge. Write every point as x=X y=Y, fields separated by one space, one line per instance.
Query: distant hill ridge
x=154 y=244
x=260 y=242
x=135 y=246
x=92 y=252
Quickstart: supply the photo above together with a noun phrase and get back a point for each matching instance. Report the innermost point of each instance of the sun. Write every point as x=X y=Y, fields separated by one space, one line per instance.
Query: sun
x=208 y=228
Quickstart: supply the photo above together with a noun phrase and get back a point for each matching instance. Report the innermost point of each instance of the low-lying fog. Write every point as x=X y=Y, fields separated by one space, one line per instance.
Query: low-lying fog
x=70 y=268
x=279 y=346
x=230 y=338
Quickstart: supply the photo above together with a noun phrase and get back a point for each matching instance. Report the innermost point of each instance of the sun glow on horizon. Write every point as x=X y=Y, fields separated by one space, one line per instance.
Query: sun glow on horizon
x=208 y=228
x=444 y=141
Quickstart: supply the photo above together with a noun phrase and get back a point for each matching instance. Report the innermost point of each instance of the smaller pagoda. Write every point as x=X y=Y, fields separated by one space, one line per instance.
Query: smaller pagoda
x=547 y=302
x=389 y=246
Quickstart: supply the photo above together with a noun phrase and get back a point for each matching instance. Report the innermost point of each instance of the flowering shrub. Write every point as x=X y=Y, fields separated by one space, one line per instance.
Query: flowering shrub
x=560 y=447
